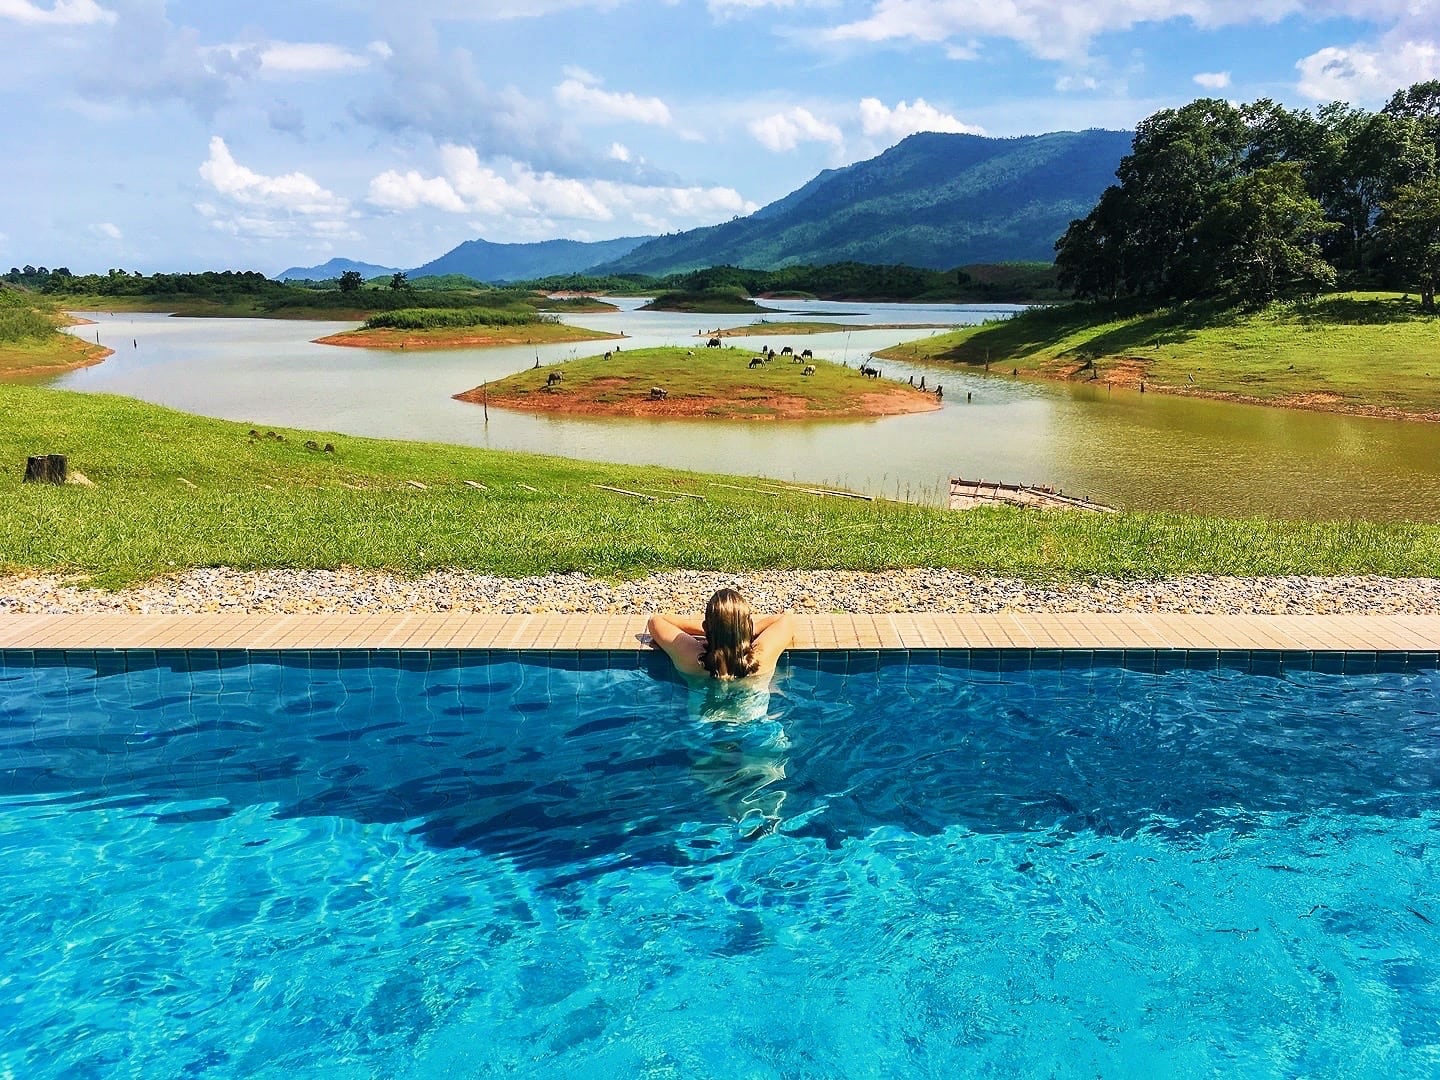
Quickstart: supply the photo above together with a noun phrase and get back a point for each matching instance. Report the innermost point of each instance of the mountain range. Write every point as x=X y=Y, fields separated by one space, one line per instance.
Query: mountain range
x=332 y=269
x=932 y=200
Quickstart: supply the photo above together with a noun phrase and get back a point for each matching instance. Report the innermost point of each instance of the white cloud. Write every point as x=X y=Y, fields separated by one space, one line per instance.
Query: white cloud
x=1063 y=29
x=619 y=152
x=405 y=191
x=906 y=119
x=64 y=13
x=1368 y=74
x=786 y=130
x=580 y=75
x=294 y=192
x=1069 y=83
x=1213 y=80
x=724 y=8
x=587 y=97
x=280 y=59
x=270 y=207
x=514 y=196
x=105 y=228
x=295 y=57
x=497 y=10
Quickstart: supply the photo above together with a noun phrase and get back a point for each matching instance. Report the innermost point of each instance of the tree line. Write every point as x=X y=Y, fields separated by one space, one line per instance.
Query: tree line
x=1255 y=202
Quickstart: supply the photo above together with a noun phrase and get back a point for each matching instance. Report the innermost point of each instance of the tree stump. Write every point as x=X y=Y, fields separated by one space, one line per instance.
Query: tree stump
x=46 y=469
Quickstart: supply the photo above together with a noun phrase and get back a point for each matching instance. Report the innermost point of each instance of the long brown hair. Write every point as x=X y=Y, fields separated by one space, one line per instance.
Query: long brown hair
x=729 y=636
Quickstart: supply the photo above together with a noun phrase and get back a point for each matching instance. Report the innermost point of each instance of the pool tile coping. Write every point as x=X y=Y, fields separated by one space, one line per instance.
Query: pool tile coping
x=469 y=630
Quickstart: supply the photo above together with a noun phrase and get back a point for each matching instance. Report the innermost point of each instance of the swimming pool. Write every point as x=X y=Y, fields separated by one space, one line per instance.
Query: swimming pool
x=422 y=864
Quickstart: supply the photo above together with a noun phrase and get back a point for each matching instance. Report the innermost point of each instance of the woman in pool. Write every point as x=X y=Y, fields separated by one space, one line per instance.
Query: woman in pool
x=728 y=643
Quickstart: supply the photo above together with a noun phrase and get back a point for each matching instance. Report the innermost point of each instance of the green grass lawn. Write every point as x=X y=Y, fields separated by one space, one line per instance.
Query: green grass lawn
x=718 y=383
x=1356 y=350
x=267 y=503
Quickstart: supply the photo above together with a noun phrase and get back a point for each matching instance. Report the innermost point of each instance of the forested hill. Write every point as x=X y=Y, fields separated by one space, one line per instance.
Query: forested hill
x=333 y=269
x=932 y=200
x=485 y=261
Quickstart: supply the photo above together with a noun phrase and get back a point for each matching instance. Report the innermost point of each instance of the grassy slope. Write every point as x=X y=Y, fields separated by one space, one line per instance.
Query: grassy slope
x=267 y=504
x=31 y=344
x=722 y=377
x=1359 y=351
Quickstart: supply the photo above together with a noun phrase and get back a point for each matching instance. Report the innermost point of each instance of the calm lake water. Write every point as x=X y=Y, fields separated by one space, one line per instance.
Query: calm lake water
x=1135 y=451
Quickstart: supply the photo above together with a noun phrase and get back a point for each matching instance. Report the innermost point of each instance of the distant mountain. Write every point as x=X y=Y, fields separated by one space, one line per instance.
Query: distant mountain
x=333 y=269
x=495 y=263
x=932 y=200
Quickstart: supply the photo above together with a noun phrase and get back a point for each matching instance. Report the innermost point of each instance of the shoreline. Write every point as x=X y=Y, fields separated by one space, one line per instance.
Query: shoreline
x=1127 y=373
x=784 y=407
x=466 y=337
x=19 y=362
x=804 y=329
x=351 y=591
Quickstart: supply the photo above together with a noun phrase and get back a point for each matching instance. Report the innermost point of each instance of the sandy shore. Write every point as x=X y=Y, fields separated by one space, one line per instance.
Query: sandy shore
x=296 y=591
x=465 y=337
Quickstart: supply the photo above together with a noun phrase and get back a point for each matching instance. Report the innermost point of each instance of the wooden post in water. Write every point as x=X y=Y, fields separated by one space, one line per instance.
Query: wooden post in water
x=46 y=469
x=485 y=398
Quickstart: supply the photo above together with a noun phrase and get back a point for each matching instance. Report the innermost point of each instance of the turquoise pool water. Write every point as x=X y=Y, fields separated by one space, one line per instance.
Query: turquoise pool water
x=420 y=865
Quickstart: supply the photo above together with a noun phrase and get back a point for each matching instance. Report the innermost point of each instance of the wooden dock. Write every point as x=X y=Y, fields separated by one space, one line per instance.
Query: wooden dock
x=968 y=494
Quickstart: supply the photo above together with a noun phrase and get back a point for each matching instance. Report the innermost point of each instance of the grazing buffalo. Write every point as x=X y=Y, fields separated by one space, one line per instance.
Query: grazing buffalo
x=807 y=355
x=869 y=372
x=787 y=351
x=757 y=361
x=607 y=356
x=658 y=393
x=713 y=343
x=553 y=378
x=809 y=370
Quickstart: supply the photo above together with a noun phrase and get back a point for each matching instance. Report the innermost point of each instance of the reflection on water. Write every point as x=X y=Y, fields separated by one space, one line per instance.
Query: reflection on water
x=1137 y=451
x=743 y=757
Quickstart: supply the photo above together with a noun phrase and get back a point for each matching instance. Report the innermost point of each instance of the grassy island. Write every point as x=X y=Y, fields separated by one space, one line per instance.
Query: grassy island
x=569 y=305
x=174 y=491
x=460 y=328
x=701 y=382
x=706 y=302
x=1368 y=353
x=31 y=343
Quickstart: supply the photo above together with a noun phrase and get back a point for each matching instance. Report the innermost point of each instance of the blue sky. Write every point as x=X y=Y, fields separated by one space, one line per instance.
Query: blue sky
x=201 y=134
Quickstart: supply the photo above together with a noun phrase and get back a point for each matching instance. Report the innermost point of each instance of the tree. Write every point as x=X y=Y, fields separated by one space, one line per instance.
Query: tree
x=1090 y=257
x=1177 y=161
x=399 y=281
x=350 y=281
x=1261 y=237
x=1410 y=225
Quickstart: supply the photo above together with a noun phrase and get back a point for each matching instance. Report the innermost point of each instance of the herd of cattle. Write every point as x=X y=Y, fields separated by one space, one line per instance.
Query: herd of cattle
x=659 y=393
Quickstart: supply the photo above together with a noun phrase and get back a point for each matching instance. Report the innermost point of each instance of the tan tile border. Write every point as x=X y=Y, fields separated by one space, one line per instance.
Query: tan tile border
x=1418 y=633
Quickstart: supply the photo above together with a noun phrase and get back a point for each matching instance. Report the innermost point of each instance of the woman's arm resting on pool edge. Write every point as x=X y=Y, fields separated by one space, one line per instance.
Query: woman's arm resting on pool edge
x=773 y=635
x=674 y=635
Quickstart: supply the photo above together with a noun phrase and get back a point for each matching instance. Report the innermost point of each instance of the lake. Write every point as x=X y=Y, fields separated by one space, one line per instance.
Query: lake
x=1135 y=451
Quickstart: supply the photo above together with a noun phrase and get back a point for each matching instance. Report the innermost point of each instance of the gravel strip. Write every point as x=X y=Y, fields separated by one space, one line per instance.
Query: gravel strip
x=360 y=591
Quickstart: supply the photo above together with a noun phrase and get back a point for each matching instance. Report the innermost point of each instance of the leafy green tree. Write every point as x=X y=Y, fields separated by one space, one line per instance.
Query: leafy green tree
x=350 y=281
x=1179 y=158
x=1090 y=258
x=1261 y=237
x=1410 y=225
x=399 y=281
